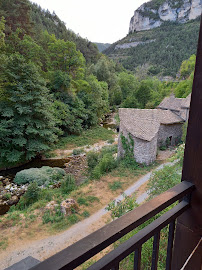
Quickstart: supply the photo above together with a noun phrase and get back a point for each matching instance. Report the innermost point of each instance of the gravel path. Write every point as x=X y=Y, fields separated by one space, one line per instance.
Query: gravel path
x=42 y=249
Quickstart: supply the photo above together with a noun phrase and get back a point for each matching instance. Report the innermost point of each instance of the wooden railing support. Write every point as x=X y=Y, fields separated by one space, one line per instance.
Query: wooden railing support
x=189 y=225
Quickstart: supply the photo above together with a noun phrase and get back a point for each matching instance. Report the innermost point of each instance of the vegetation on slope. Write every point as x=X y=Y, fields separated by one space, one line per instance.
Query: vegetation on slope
x=171 y=44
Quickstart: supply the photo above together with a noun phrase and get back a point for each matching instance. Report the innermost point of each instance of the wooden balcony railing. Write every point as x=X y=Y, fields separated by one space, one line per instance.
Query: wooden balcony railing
x=87 y=247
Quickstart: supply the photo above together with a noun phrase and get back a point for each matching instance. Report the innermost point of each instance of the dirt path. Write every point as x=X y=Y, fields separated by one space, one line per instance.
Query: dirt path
x=42 y=249
x=60 y=153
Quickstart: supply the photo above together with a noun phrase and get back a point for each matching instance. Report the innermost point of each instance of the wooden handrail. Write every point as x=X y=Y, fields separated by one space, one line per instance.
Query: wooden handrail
x=125 y=249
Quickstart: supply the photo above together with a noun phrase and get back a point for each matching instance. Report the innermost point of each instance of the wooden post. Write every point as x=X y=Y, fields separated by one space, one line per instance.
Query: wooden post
x=189 y=225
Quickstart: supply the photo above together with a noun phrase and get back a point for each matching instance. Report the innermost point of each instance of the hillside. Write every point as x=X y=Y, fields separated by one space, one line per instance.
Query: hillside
x=44 y=20
x=160 y=50
x=102 y=46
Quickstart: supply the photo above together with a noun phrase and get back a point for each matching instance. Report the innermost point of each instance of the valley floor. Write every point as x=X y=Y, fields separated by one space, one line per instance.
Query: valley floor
x=37 y=242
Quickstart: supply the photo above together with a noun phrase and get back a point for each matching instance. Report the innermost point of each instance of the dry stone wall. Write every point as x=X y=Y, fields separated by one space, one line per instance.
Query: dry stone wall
x=167 y=131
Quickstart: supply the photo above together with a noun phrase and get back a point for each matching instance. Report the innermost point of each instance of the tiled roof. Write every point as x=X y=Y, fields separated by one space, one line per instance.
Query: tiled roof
x=144 y=123
x=186 y=102
x=174 y=104
x=167 y=117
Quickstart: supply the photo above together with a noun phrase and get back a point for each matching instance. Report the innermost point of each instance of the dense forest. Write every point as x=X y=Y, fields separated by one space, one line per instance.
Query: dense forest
x=54 y=83
x=171 y=43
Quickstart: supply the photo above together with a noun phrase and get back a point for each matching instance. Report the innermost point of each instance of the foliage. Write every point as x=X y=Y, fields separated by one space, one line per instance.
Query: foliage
x=51 y=217
x=184 y=132
x=92 y=159
x=17 y=15
x=163 y=179
x=179 y=154
x=26 y=100
x=172 y=44
x=77 y=151
x=115 y=185
x=187 y=67
x=68 y=184
x=45 y=21
x=86 y=214
x=42 y=176
x=2 y=35
x=119 y=209
x=32 y=194
x=106 y=164
x=87 y=137
x=128 y=159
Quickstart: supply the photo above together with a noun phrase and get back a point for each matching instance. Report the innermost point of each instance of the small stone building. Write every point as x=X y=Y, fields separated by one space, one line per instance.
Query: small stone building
x=151 y=128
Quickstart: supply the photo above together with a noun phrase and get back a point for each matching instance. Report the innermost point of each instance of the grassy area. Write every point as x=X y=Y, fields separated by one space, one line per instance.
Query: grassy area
x=88 y=137
x=32 y=219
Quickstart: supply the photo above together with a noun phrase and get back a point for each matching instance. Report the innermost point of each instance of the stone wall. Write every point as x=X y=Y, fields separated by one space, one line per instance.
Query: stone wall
x=166 y=131
x=185 y=114
x=144 y=151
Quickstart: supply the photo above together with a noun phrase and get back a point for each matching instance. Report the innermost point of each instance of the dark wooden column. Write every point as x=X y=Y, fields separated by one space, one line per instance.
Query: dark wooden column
x=189 y=225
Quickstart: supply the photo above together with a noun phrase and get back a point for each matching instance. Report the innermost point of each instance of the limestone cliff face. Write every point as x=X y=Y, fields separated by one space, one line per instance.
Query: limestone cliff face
x=153 y=14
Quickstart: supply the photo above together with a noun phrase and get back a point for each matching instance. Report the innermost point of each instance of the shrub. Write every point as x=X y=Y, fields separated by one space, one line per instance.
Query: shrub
x=92 y=159
x=86 y=214
x=7 y=196
x=73 y=219
x=105 y=165
x=164 y=179
x=115 y=185
x=32 y=193
x=68 y=184
x=52 y=217
x=43 y=176
x=31 y=196
x=82 y=201
x=77 y=151
x=123 y=207
x=111 y=141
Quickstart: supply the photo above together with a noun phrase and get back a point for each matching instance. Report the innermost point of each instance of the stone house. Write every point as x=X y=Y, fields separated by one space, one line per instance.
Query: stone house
x=151 y=128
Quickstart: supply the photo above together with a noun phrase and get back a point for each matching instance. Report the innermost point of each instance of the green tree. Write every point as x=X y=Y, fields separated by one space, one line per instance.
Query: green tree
x=17 y=15
x=27 y=126
x=65 y=57
x=187 y=67
x=143 y=93
x=2 y=34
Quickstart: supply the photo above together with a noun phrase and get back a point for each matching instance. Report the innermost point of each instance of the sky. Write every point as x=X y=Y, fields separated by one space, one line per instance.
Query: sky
x=104 y=21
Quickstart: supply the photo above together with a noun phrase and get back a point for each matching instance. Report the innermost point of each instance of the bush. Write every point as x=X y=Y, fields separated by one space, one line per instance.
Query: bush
x=52 y=217
x=68 y=184
x=164 y=179
x=86 y=214
x=115 y=185
x=82 y=201
x=105 y=165
x=31 y=196
x=123 y=207
x=92 y=159
x=43 y=176
x=77 y=151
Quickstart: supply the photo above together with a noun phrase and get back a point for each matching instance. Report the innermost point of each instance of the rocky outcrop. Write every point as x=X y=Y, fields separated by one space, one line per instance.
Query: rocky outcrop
x=10 y=194
x=132 y=44
x=152 y=14
x=69 y=206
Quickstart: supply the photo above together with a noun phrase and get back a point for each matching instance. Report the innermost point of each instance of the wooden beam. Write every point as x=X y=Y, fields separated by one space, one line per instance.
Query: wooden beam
x=189 y=225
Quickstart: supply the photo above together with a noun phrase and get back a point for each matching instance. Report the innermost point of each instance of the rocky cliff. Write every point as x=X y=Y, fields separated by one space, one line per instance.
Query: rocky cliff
x=152 y=14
